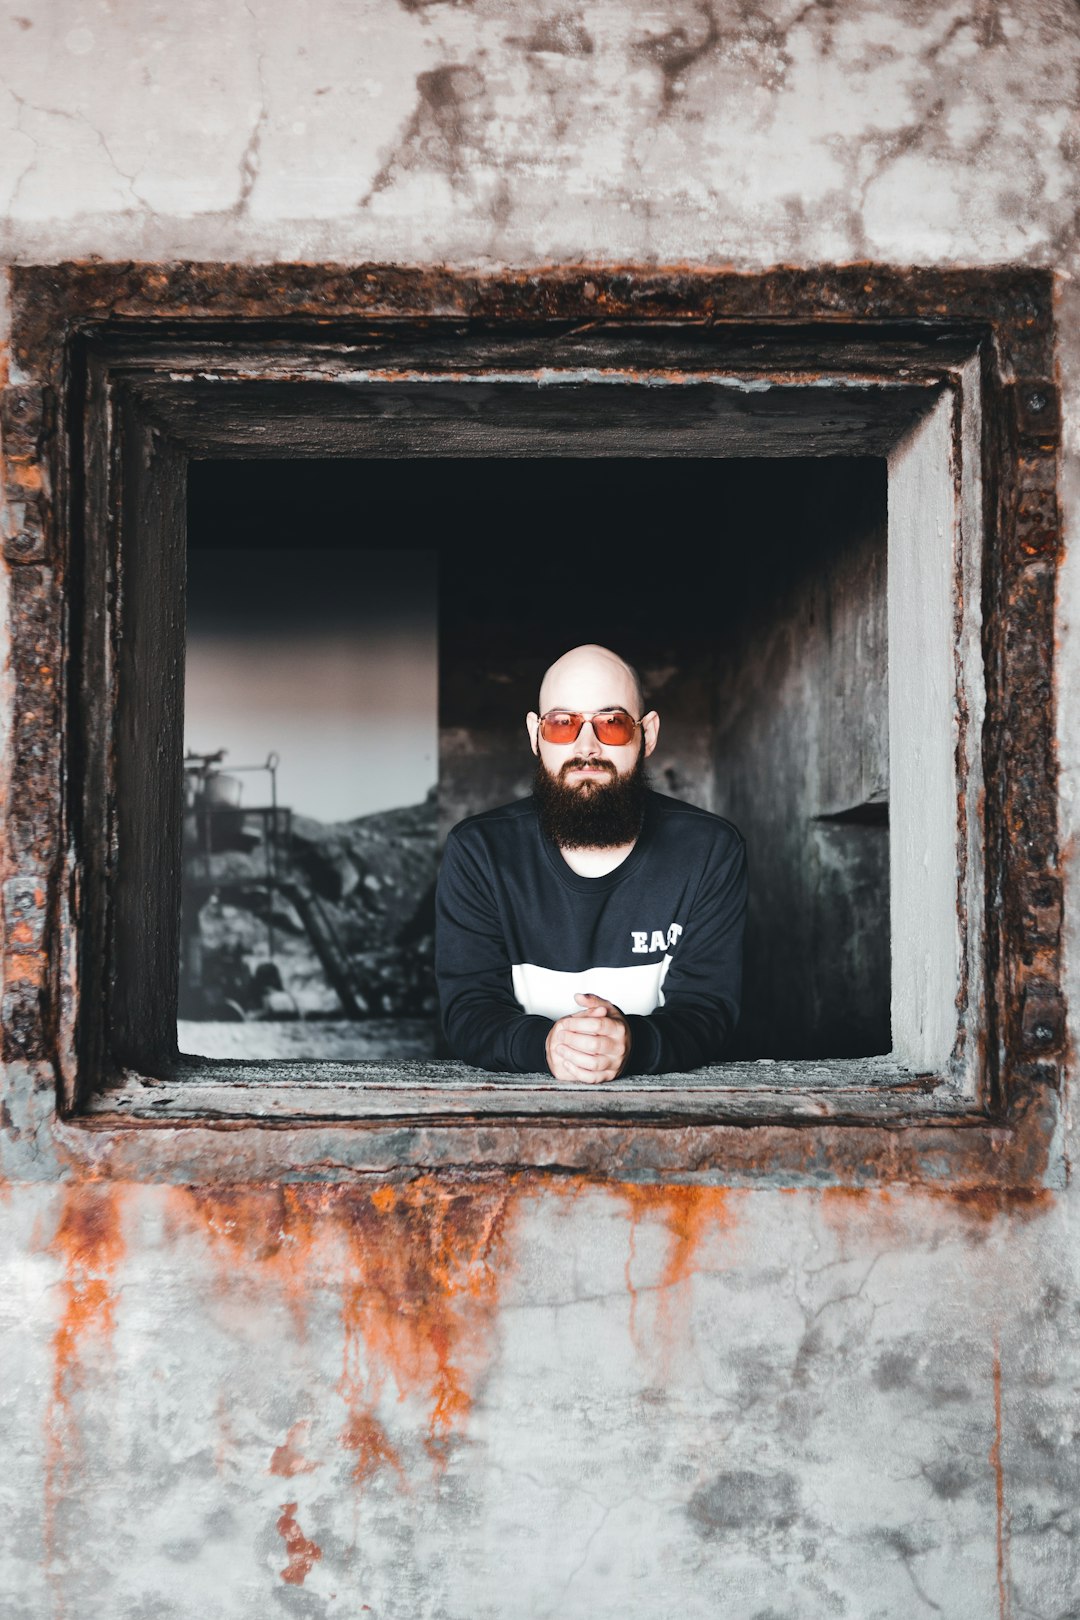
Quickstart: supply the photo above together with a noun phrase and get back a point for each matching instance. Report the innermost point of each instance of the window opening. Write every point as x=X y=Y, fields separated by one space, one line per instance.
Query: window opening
x=752 y=596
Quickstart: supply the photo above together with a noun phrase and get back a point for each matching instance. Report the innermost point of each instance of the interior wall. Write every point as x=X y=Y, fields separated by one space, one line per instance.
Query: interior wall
x=479 y=1397
x=802 y=762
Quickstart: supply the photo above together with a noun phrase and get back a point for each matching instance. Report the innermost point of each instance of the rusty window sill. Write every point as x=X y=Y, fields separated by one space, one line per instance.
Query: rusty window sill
x=864 y=1088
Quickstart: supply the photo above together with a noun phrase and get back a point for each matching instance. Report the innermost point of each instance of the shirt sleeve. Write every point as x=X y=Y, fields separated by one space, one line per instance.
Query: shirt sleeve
x=482 y=1018
x=703 y=986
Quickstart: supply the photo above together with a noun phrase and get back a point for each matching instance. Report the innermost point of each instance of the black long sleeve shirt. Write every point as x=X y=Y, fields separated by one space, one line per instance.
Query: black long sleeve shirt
x=518 y=933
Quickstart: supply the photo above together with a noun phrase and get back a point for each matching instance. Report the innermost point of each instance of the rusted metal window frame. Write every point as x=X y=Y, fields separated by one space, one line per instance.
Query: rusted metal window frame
x=121 y=372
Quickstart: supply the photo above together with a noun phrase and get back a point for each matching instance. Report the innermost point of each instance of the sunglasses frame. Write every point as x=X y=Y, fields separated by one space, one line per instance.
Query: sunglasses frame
x=582 y=717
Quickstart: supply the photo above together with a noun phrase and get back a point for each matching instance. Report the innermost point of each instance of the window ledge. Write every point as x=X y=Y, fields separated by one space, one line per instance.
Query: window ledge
x=868 y=1088
x=868 y=1123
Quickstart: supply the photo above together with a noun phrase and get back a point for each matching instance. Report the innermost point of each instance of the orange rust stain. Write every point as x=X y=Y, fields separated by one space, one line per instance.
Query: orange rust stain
x=25 y=969
x=419 y=1290
x=856 y=1213
x=982 y=1204
x=689 y=1215
x=267 y=1226
x=89 y=1240
x=1003 y=1579
x=421 y=1299
x=288 y=1459
x=303 y=1554
x=365 y=1435
x=24 y=474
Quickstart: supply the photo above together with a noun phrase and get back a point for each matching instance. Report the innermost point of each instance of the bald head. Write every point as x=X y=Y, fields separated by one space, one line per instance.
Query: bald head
x=591 y=677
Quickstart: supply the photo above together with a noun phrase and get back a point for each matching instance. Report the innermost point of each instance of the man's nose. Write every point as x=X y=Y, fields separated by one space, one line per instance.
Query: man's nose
x=587 y=741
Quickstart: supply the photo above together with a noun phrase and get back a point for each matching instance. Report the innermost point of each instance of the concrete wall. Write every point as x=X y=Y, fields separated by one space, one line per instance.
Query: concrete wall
x=802 y=763
x=532 y=1397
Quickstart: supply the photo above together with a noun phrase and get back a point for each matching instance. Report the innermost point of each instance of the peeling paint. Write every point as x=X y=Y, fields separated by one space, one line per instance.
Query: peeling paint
x=303 y=1553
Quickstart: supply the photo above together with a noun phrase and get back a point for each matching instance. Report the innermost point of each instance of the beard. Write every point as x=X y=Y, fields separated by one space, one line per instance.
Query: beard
x=591 y=815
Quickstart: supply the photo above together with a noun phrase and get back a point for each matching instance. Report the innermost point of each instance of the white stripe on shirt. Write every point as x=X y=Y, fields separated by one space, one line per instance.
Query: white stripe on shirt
x=637 y=989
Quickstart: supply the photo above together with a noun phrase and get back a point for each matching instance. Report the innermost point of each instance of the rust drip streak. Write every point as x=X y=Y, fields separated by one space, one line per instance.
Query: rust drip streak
x=689 y=1214
x=1003 y=1579
x=418 y=1297
x=89 y=1241
x=366 y=1438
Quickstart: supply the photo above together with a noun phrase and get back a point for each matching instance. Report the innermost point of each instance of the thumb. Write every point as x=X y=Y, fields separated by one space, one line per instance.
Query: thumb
x=584 y=997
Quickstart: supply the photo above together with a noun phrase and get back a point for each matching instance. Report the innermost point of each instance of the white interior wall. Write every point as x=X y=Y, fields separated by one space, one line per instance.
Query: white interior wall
x=923 y=531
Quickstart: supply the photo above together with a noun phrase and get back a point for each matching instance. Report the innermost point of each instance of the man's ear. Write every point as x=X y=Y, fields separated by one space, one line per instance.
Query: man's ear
x=650 y=729
x=532 y=720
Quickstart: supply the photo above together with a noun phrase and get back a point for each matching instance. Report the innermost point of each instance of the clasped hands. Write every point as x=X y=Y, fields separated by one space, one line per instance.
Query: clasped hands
x=590 y=1046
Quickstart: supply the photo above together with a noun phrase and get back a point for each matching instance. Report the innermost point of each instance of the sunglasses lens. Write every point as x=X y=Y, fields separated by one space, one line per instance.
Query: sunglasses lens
x=614 y=730
x=560 y=728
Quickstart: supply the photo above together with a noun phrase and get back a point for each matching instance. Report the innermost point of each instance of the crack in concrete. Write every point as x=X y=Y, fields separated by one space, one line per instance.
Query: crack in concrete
x=580 y=1565
x=905 y=1552
x=25 y=105
x=251 y=156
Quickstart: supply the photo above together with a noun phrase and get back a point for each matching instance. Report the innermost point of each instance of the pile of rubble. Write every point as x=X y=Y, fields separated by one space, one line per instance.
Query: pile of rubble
x=349 y=911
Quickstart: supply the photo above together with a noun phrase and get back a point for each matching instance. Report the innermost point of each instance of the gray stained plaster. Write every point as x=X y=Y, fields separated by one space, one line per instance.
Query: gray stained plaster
x=751 y=1406
x=742 y=1405
x=747 y=134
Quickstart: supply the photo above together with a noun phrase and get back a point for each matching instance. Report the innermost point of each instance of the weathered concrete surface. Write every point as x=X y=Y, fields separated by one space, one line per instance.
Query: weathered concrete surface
x=562 y=1400
x=540 y=132
x=537 y=1400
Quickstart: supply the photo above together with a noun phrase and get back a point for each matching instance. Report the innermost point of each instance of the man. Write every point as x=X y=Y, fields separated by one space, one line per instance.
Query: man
x=594 y=929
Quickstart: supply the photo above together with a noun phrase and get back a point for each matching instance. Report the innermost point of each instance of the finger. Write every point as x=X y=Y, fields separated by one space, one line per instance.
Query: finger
x=596 y=1004
x=612 y=1036
x=581 y=1060
x=601 y=1004
x=605 y=1060
x=582 y=1025
x=580 y=1043
x=587 y=1077
x=588 y=1043
x=566 y=1066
